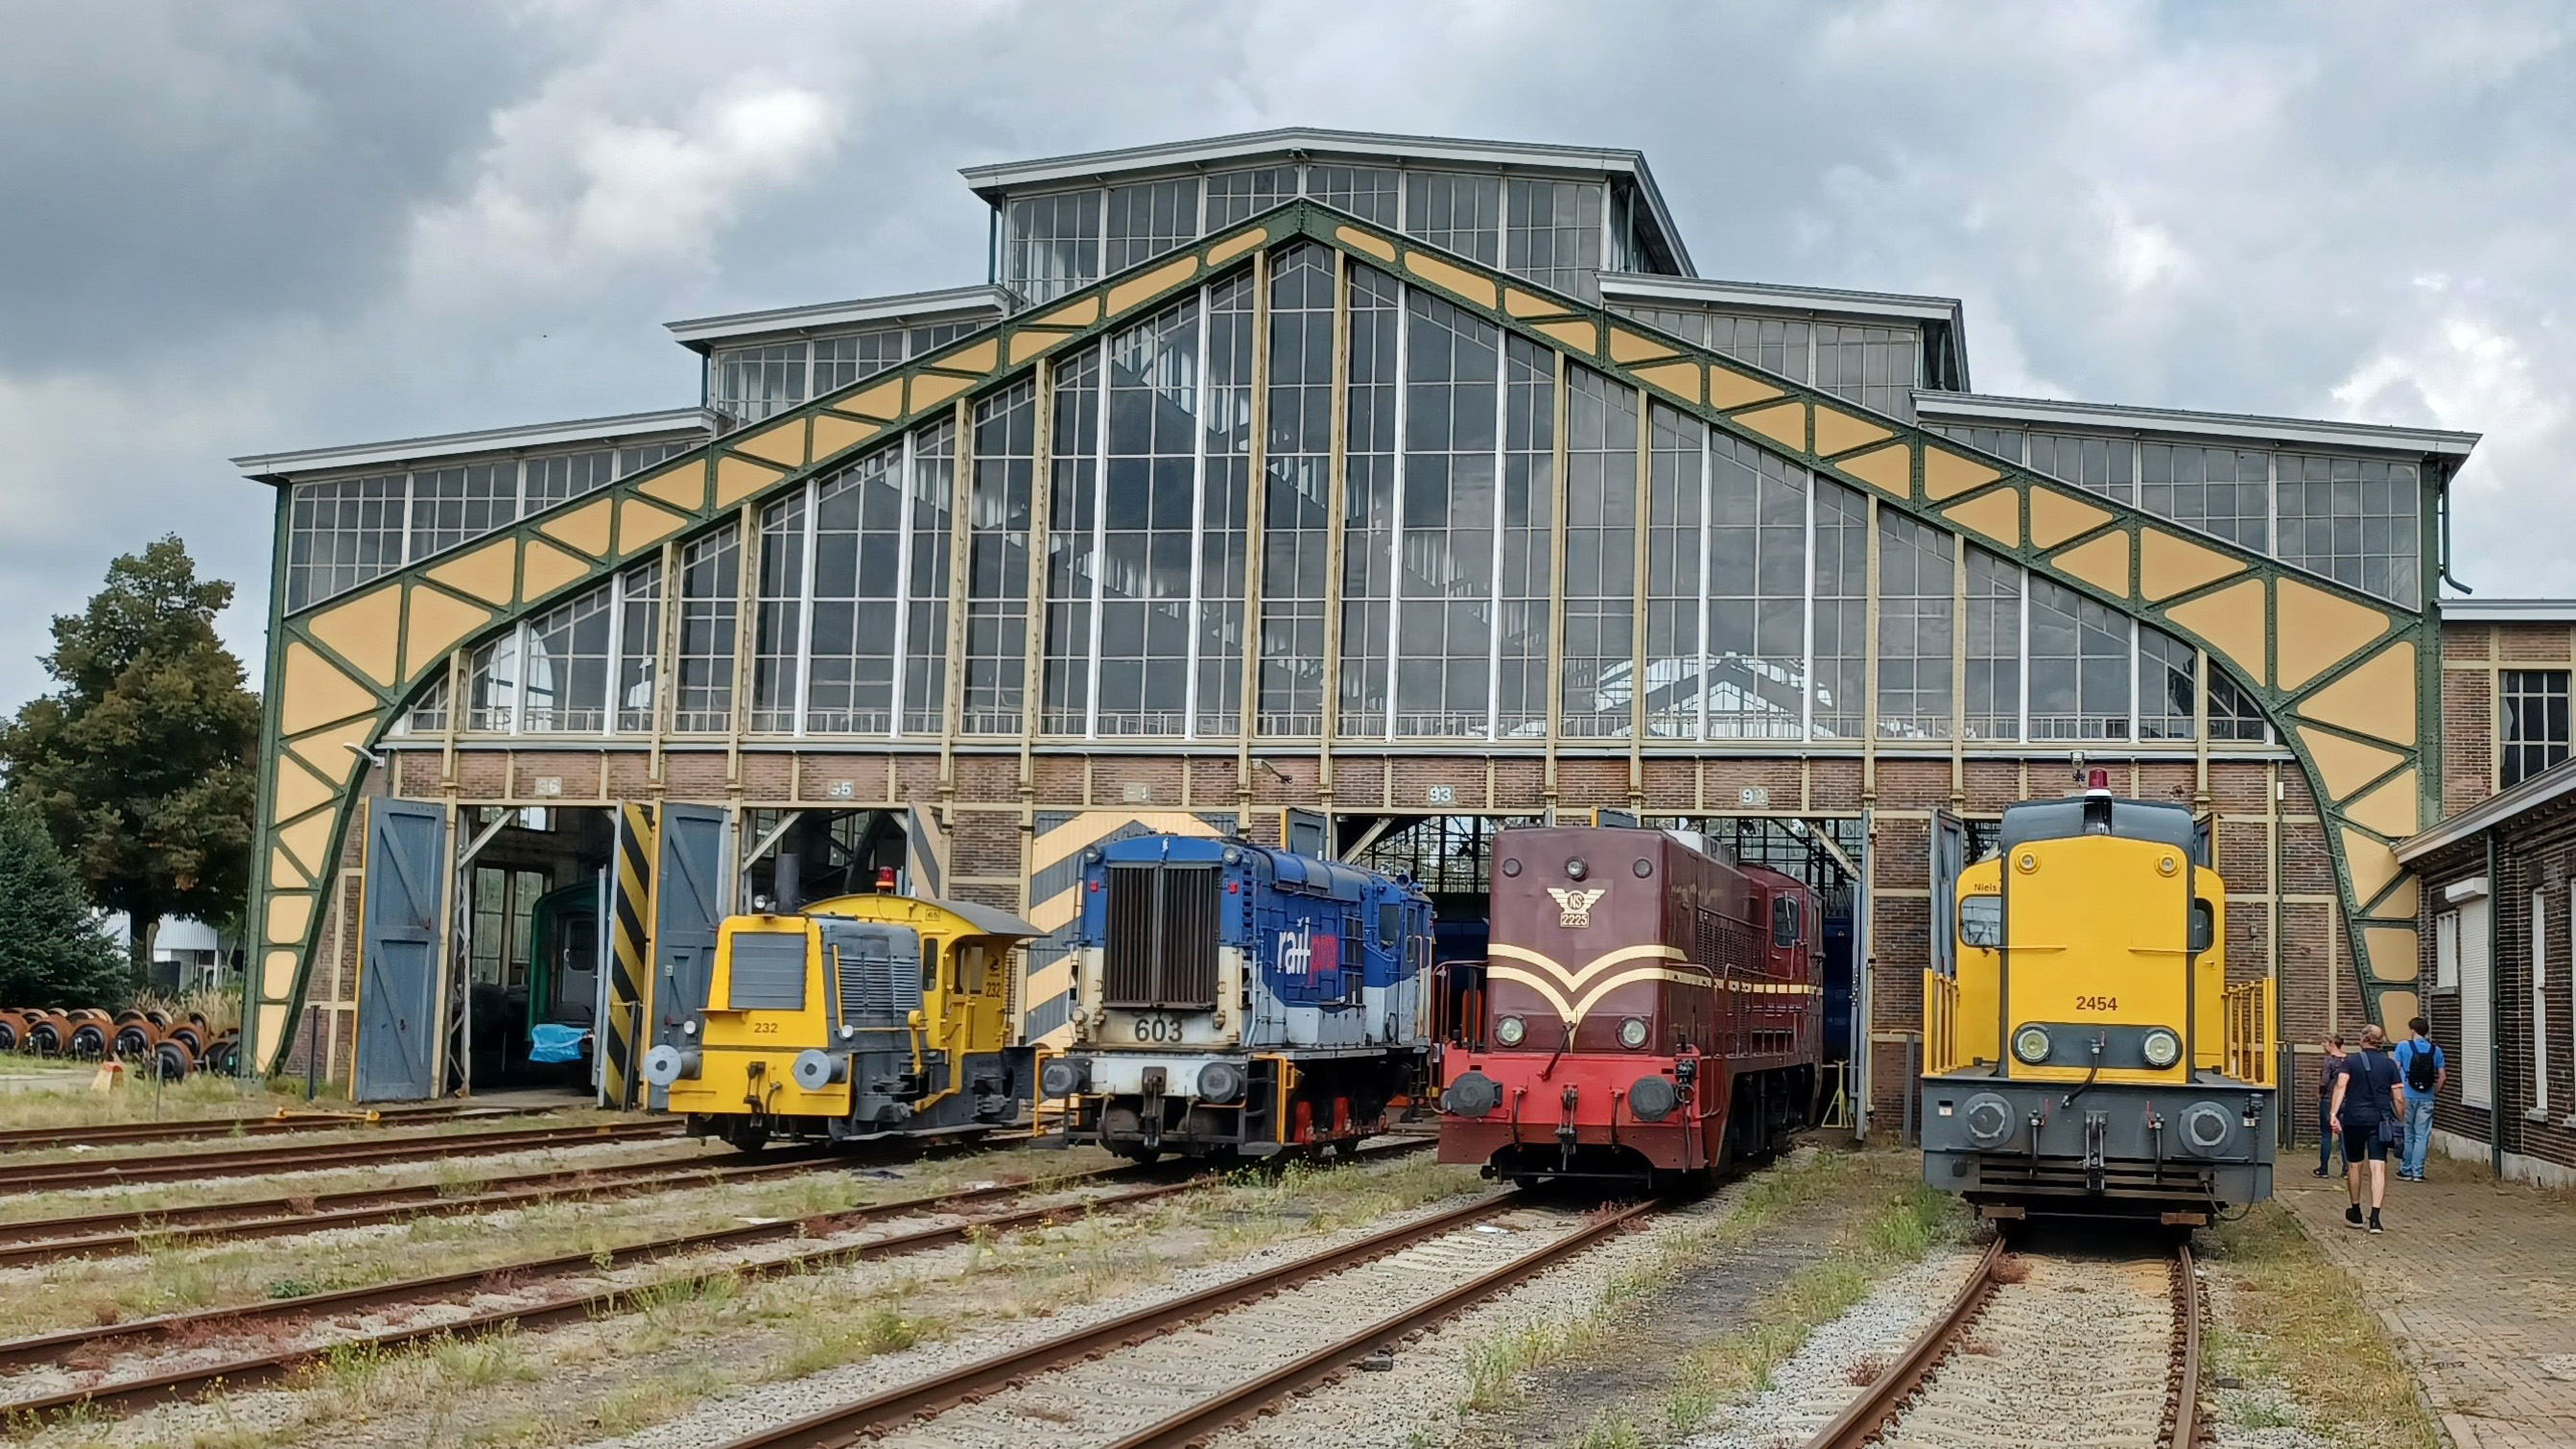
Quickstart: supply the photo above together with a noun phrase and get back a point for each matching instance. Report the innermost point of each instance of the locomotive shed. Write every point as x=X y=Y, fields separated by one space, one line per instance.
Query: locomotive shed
x=1742 y=556
x=1361 y=495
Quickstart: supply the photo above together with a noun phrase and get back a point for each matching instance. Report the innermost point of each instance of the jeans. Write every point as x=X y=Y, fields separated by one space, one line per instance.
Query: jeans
x=2419 y=1131
x=2325 y=1135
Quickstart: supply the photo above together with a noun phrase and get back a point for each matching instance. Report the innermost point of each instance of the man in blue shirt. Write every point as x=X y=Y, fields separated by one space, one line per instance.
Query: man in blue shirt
x=2425 y=1071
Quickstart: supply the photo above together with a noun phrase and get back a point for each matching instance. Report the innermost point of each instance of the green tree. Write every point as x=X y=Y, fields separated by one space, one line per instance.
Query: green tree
x=51 y=950
x=141 y=765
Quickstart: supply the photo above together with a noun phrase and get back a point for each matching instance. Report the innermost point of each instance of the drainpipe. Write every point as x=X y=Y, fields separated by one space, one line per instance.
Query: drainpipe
x=2495 y=1016
x=2442 y=504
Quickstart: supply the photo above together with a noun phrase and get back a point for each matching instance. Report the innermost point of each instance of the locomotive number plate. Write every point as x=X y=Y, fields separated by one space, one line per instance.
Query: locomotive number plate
x=1158 y=1028
x=2097 y=1003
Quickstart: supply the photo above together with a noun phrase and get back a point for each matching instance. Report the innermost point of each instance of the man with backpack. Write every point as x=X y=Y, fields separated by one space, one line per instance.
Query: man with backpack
x=2425 y=1071
x=2369 y=1103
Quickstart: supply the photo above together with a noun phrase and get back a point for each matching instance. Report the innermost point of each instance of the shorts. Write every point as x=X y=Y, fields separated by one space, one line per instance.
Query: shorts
x=2361 y=1142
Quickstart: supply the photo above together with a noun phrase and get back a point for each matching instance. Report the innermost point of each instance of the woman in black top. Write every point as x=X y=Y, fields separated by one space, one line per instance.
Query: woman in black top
x=2367 y=1093
x=2326 y=1075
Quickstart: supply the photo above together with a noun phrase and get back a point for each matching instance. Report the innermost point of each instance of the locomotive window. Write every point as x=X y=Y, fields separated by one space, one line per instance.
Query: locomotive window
x=2204 y=926
x=970 y=971
x=1390 y=922
x=1981 y=922
x=1784 y=921
x=930 y=964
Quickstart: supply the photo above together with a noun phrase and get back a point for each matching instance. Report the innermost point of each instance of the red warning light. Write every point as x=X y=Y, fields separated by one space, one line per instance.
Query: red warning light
x=885 y=880
x=2098 y=780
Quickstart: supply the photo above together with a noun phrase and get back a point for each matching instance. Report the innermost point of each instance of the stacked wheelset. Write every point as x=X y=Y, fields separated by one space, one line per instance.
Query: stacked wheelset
x=171 y=1047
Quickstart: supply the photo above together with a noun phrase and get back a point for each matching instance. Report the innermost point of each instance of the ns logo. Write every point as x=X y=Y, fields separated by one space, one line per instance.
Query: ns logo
x=1574 y=908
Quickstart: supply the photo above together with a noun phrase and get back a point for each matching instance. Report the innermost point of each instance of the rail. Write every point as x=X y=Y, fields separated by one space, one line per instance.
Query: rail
x=2249 y=1033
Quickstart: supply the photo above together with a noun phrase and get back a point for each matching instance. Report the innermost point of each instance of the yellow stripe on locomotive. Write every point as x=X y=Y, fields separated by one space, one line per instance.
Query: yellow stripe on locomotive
x=857 y=1015
x=2087 y=1055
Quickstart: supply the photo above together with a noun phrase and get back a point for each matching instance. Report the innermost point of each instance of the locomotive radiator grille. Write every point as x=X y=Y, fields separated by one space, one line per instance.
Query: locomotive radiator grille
x=1161 y=948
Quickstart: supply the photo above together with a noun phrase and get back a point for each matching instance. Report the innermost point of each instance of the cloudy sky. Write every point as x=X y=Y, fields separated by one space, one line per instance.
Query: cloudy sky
x=261 y=225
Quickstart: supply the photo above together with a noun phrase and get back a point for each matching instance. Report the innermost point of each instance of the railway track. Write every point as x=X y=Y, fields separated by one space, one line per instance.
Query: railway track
x=1185 y=1369
x=250 y=1370
x=118 y=1134
x=2041 y=1350
x=41 y=1240
x=312 y=1157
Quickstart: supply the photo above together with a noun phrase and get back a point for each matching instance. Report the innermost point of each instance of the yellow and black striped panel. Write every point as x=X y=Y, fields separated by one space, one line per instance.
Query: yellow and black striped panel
x=1055 y=898
x=628 y=967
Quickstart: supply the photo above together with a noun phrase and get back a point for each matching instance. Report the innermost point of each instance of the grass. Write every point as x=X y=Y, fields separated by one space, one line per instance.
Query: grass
x=1903 y=1221
x=2294 y=1321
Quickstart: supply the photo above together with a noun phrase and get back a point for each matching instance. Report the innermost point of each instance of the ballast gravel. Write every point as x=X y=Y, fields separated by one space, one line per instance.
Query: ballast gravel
x=731 y=1415
x=1812 y=1385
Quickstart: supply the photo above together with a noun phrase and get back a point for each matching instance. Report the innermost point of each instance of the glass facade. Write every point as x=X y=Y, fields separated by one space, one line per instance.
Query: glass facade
x=754 y=383
x=1296 y=495
x=343 y=532
x=1706 y=589
x=2350 y=519
x=1554 y=231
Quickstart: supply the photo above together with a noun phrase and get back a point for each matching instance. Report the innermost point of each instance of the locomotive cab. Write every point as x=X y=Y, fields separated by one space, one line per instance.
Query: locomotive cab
x=859 y=1015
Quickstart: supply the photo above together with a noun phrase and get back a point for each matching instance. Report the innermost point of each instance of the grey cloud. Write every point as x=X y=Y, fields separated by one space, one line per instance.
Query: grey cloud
x=278 y=224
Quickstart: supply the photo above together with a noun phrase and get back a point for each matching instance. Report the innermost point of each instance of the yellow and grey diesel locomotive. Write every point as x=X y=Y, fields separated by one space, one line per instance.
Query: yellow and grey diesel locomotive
x=2086 y=1056
x=853 y=1017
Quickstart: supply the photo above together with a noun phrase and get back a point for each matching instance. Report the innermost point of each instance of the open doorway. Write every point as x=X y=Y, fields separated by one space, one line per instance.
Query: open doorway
x=531 y=896
x=828 y=853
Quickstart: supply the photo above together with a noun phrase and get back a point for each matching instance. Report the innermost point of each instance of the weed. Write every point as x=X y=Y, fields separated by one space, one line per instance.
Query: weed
x=2294 y=1318
x=1611 y=1434
x=646 y=1402
x=479 y=1362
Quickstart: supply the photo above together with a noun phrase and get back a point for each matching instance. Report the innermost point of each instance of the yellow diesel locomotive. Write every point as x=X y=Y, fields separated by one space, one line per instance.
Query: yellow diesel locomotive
x=856 y=1016
x=2086 y=1056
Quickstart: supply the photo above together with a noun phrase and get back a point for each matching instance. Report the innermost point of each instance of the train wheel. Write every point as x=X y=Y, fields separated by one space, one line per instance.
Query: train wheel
x=173 y=1059
x=1141 y=1156
x=134 y=1040
x=88 y=1040
x=13 y=1030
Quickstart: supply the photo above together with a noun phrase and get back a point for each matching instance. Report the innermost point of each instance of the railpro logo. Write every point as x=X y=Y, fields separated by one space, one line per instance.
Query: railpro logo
x=1303 y=953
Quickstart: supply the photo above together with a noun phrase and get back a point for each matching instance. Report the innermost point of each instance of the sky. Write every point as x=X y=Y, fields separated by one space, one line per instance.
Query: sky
x=265 y=225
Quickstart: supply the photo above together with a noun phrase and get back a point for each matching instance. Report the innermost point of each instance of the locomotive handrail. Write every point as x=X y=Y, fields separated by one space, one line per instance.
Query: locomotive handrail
x=2249 y=1029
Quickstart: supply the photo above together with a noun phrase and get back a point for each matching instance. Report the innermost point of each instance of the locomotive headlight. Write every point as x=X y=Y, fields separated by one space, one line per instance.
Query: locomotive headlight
x=1510 y=1030
x=689 y=1028
x=2161 y=1048
x=1632 y=1033
x=2031 y=1044
x=1220 y=1082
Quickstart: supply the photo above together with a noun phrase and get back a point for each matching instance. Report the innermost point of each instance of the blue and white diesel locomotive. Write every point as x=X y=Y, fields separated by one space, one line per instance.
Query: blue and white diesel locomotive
x=1230 y=998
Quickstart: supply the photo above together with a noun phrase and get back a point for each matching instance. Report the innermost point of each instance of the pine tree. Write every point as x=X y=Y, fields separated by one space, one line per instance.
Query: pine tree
x=141 y=765
x=51 y=950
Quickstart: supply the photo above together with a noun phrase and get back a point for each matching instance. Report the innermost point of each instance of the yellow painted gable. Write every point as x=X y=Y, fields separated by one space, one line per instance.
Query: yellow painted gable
x=2376 y=698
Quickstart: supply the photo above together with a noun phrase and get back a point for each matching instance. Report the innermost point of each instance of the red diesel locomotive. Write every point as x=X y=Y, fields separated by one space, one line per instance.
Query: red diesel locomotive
x=1651 y=1011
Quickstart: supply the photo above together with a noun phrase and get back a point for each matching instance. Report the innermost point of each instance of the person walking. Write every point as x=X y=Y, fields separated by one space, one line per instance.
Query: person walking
x=2326 y=1075
x=2425 y=1071
x=2369 y=1103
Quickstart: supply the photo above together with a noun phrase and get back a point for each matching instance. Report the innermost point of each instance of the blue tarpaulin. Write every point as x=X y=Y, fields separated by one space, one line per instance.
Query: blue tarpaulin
x=556 y=1043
